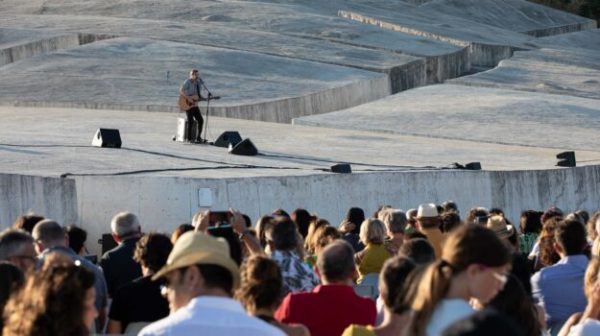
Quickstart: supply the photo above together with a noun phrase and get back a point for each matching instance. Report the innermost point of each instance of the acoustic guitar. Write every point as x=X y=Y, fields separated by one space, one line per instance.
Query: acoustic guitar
x=185 y=105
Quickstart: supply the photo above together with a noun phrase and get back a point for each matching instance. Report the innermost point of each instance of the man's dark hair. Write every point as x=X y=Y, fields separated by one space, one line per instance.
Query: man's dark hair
x=419 y=250
x=449 y=206
x=283 y=234
x=302 y=219
x=570 y=235
x=216 y=276
x=152 y=251
x=336 y=261
x=12 y=242
x=77 y=237
x=27 y=222
x=450 y=221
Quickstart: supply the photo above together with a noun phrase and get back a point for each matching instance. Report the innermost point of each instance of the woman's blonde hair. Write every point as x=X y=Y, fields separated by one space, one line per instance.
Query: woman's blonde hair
x=372 y=231
x=468 y=244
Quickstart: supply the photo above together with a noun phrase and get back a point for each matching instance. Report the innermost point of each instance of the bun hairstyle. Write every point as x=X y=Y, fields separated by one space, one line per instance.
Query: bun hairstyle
x=468 y=244
x=261 y=284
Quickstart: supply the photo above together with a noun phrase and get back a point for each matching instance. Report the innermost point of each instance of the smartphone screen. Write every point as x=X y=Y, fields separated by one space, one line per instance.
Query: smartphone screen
x=217 y=218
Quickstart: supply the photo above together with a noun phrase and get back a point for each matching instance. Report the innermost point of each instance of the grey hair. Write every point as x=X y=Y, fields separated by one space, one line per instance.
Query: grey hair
x=394 y=220
x=124 y=224
x=372 y=231
x=12 y=242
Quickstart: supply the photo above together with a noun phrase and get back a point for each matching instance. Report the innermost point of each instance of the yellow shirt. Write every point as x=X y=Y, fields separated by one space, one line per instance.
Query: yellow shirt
x=436 y=238
x=372 y=259
x=358 y=330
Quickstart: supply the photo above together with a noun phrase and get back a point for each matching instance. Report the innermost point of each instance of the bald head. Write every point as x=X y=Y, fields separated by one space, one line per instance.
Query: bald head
x=47 y=234
x=336 y=262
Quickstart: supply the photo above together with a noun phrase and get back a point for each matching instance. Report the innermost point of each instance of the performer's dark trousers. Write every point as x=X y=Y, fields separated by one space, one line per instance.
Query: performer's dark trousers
x=194 y=113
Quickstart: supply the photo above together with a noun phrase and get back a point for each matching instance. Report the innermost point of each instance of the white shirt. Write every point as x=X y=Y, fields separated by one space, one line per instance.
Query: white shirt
x=588 y=327
x=446 y=313
x=211 y=316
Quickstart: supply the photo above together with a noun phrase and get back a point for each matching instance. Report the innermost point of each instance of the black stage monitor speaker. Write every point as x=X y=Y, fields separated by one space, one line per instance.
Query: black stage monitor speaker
x=566 y=159
x=342 y=168
x=245 y=147
x=228 y=137
x=107 y=137
x=107 y=242
x=473 y=166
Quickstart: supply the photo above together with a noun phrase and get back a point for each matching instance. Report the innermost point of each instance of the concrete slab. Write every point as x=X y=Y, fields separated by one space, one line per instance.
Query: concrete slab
x=514 y=15
x=32 y=143
x=588 y=39
x=476 y=114
x=565 y=72
x=146 y=75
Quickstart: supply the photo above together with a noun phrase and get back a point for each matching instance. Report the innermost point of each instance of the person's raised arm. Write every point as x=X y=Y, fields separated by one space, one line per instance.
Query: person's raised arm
x=245 y=235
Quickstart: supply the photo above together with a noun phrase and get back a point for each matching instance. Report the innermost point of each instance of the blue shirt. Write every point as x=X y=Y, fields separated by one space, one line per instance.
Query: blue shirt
x=100 y=283
x=559 y=288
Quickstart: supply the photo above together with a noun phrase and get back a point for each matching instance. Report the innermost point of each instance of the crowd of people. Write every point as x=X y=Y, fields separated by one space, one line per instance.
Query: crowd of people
x=426 y=271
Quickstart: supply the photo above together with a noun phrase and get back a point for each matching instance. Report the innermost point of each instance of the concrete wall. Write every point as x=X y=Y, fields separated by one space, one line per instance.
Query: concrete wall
x=164 y=202
x=52 y=197
x=564 y=29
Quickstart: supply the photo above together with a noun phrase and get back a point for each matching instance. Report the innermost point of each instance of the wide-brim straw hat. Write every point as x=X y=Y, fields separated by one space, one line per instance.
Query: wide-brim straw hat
x=196 y=248
x=499 y=226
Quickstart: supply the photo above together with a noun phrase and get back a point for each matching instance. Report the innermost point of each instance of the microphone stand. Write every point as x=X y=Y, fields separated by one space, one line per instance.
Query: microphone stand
x=208 y=98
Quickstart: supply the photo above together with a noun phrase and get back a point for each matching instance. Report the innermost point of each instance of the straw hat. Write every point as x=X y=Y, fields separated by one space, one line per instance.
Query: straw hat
x=428 y=210
x=498 y=225
x=199 y=248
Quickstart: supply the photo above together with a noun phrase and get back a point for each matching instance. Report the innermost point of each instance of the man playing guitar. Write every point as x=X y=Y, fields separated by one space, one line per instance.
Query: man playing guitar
x=189 y=96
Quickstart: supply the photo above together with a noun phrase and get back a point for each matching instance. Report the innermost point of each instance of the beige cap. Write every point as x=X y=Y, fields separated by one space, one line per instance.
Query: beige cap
x=199 y=248
x=498 y=224
x=428 y=210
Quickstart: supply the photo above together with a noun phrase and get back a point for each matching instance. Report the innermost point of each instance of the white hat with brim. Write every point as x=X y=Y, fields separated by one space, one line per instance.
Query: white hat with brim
x=196 y=248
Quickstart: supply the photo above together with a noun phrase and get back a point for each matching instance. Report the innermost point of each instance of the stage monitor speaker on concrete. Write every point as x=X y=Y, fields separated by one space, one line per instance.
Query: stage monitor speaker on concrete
x=245 y=147
x=566 y=159
x=228 y=138
x=107 y=137
x=473 y=166
x=341 y=168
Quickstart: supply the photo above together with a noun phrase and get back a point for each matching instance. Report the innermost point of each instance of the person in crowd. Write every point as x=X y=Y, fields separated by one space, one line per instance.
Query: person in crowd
x=27 y=222
x=559 y=288
x=118 y=264
x=309 y=242
x=333 y=306
x=350 y=228
x=200 y=278
x=11 y=280
x=411 y=221
x=514 y=302
x=546 y=253
x=473 y=265
x=302 y=219
x=395 y=223
x=49 y=238
x=56 y=300
x=593 y=226
x=280 y=213
x=179 y=230
x=450 y=221
x=77 y=238
x=394 y=294
x=282 y=238
x=428 y=223
x=498 y=224
x=16 y=247
x=371 y=259
x=450 y=206
x=260 y=292
x=477 y=215
x=530 y=225
x=419 y=250
x=486 y=322
x=141 y=300
x=321 y=238
x=588 y=322
x=262 y=225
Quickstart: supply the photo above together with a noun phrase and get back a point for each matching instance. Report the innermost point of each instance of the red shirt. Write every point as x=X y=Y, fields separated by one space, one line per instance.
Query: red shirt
x=327 y=310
